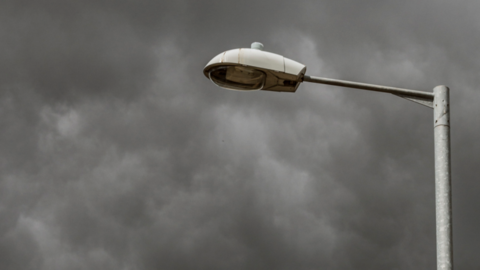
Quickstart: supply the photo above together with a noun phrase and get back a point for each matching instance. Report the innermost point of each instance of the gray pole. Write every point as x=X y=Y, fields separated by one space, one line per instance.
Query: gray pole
x=443 y=189
x=443 y=192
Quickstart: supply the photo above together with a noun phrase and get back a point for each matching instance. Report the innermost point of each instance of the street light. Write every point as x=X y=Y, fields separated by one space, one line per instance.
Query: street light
x=252 y=68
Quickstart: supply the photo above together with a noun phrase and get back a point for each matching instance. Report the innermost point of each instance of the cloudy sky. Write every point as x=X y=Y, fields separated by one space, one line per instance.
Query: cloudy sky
x=117 y=153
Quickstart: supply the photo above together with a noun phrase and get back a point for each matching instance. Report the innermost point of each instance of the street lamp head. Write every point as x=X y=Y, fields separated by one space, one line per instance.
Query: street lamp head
x=254 y=69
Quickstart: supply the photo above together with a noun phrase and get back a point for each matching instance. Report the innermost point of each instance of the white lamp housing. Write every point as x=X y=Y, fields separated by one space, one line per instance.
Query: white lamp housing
x=254 y=69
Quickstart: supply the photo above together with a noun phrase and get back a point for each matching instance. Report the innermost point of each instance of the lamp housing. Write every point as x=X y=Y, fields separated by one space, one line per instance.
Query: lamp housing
x=253 y=69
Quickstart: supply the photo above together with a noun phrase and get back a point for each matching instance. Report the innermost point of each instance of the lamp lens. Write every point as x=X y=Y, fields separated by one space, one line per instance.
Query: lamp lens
x=237 y=78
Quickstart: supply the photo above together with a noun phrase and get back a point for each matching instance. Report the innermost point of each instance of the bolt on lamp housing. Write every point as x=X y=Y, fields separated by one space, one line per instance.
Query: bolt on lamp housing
x=254 y=69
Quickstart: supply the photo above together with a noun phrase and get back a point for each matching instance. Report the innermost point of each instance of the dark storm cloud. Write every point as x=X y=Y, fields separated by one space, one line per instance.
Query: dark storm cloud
x=66 y=50
x=117 y=153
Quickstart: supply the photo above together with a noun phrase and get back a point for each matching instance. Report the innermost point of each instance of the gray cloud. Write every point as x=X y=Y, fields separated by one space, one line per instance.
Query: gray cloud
x=117 y=153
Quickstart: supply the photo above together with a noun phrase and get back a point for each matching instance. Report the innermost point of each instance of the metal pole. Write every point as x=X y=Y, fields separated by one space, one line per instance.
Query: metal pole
x=443 y=192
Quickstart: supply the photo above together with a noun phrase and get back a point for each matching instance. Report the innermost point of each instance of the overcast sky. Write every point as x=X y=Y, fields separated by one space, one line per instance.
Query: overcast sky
x=117 y=153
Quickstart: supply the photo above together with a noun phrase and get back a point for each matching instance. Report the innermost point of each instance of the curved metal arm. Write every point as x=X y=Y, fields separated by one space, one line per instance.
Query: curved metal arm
x=424 y=98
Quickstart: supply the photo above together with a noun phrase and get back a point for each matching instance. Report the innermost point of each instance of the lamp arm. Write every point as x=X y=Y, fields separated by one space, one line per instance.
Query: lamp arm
x=421 y=97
